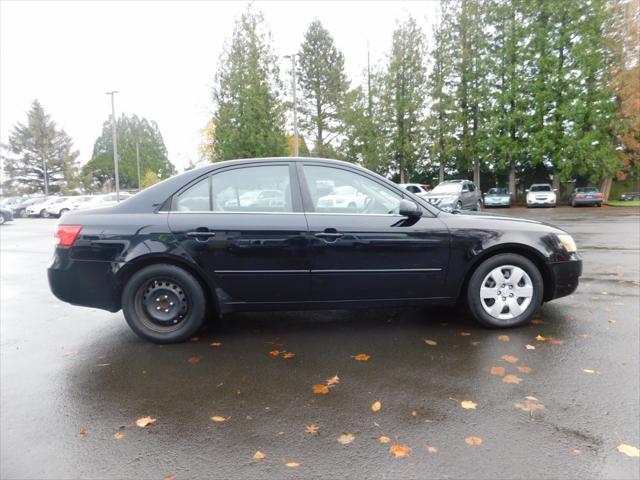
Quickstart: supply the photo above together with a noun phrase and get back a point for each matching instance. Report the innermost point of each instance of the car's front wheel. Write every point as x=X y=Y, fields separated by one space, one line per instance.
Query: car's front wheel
x=164 y=304
x=2 y=219
x=505 y=291
x=478 y=205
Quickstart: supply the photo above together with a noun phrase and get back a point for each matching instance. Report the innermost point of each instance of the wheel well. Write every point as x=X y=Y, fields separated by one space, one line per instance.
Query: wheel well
x=135 y=266
x=538 y=261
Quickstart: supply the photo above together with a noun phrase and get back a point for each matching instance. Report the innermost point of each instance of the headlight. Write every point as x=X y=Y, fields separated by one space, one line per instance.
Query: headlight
x=568 y=243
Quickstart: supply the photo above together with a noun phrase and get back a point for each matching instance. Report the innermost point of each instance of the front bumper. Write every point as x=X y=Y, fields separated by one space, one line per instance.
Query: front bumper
x=499 y=202
x=540 y=203
x=565 y=277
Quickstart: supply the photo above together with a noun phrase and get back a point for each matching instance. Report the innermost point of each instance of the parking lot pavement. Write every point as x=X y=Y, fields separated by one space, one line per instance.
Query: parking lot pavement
x=74 y=381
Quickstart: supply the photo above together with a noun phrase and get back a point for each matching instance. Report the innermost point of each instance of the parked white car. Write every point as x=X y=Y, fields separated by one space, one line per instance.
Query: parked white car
x=101 y=201
x=415 y=188
x=344 y=196
x=58 y=209
x=541 y=195
x=39 y=209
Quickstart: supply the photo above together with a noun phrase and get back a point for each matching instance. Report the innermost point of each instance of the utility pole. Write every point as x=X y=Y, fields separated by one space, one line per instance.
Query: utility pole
x=295 y=104
x=138 y=162
x=115 y=143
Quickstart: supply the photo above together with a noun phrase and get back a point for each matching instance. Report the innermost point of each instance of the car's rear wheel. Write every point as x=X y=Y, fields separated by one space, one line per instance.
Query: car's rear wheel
x=44 y=213
x=21 y=213
x=459 y=206
x=505 y=291
x=164 y=304
x=2 y=219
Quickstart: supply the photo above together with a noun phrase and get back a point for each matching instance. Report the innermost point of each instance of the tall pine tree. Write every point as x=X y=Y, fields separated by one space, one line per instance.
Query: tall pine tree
x=249 y=115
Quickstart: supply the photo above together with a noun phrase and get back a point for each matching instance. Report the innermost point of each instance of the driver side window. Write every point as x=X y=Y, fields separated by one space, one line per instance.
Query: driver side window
x=334 y=190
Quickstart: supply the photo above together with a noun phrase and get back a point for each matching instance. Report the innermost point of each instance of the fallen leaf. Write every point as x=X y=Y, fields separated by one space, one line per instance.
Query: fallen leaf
x=611 y=320
x=537 y=321
x=592 y=372
x=376 y=406
x=524 y=369
x=288 y=355
x=500 y=371
x=414 y=413
x=530 y=347
x=333 y=380
x=431 y=449
x=529 y=406
x=432 y=343
x=345 y=438
x=628 y=450
x=503 y=338
x=540 y=338
x=258 y=455
x=274 y=353
x=464 y=334
x=169 y=477
x=511 y=379
x=292 y=464
x=509 y=358
x=362 y=357
x=119 y=435
x=83 y=432
x=533 y=399
x=384 y=439
x=554 y=341
x=576 y=451
x=468 y=405
x=399 y=450
x=218 y=418
x=311 y=428
x=195 y=339
x=195 y=360
x=320 y=389
x=145 y=421
x=216 y=344
x=473 y=441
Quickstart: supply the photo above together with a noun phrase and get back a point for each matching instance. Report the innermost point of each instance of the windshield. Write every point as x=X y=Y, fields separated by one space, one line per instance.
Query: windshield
x=447 y=188
x=540 y=188
x=497 y=191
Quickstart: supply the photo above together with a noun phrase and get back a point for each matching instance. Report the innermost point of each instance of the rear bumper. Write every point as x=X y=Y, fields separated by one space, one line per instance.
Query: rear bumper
x=566 y=277
x=87 y=283
x=587 y=201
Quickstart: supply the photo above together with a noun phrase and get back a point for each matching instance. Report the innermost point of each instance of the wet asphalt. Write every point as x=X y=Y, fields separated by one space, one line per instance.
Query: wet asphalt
x=72 y=377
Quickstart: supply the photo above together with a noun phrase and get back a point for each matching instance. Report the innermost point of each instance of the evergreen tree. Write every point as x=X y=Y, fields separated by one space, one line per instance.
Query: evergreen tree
x=249 y=116
x=404 y=100
x=323 y=86
x=40 y=156
x=130 y=130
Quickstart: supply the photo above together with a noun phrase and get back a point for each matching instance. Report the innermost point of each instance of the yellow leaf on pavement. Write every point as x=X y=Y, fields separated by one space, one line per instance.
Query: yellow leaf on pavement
x=119 y=435
x=499 y=371
x=524 y=369
x=346 y=438
x=259 y=455
x=311 y=428
x=399 y=450
x=430 y=342
x=323 y=389
x=468 y=405
x=384 y=439
x=503 y=338
x=511 y=379
x=292 y=464
x=218 y=418
x=509 y=358
x=473 y=441
x=362 y=357
x=333 y=380
x=628 y=450
x=529 y=406
x=376 y=406
x=145 y=421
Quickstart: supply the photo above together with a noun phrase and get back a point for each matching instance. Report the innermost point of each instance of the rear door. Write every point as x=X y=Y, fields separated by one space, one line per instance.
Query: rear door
x=251 y=243
x=368 y=251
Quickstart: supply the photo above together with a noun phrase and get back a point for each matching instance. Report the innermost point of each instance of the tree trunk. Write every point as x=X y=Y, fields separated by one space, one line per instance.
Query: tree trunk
x=512 y=182
x=556 y=184
x=605 y=188
x=441 y=172
x=476 y=172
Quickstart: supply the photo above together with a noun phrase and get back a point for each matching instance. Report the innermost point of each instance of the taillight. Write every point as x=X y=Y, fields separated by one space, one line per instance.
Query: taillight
x=579 y=195
x=67 y=234
x=599 y=195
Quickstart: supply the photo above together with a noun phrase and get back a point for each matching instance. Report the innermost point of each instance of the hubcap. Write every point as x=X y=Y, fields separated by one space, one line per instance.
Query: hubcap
x=506 y=292
x=165 y=303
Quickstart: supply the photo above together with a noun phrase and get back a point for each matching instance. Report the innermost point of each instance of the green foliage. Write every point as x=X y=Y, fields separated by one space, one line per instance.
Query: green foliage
x=130 y=130
x=323 y=86
x=249 y=116
x=404 y=100
x=34 y=146
x=149 y=178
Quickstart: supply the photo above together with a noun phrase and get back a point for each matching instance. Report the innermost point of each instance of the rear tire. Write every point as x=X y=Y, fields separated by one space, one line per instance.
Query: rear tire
x=164 y=304
x=505 y=291
x=459 y=206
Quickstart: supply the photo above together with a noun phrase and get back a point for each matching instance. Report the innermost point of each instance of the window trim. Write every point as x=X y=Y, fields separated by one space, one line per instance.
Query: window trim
x=296 y=201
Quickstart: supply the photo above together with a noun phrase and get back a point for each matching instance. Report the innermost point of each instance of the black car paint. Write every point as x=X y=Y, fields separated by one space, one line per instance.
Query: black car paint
x=275 y=261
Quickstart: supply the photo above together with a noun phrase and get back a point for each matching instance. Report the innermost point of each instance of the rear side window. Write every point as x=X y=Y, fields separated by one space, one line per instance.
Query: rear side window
x=261 y=189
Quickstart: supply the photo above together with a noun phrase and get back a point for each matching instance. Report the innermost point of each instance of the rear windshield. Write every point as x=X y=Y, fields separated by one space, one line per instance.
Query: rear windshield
x=540 y=188
x=587 y=190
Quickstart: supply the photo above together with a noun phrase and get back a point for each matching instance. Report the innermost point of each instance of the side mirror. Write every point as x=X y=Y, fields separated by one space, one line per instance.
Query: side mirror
x=555 y=189
x=409 y=209
x=527 y=190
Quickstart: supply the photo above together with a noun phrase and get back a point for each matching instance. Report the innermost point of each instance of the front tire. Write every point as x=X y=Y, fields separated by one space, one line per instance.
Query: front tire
x=164 y=304
x=478 y=205
x=504 y=291
x=2 y=219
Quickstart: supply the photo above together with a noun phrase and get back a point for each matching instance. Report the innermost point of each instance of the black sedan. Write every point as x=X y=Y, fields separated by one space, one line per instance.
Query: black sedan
x=199 y=244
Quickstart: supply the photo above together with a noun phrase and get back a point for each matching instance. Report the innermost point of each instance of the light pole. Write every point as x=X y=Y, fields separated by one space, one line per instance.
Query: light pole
x=295 y=103
x=115 y=143
x=138 y=162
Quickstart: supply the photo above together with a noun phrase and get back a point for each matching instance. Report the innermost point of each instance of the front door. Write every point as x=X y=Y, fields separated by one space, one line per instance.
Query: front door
x=245 y=227
x=361 y=248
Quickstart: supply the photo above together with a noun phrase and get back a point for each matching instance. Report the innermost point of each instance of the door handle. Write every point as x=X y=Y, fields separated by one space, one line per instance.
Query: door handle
x=329 y=236
x=201 y=236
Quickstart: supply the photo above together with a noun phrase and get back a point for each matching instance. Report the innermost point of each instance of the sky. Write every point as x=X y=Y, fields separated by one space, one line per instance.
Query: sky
x=161 y=56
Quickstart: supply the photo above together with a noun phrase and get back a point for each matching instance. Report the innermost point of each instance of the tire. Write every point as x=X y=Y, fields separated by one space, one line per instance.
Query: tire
x=351 y=205
x=2 y=219
x=487 y=274
x=599 y=205
x=63 y=211
x=478 y=205
x=44 y=213
x=459 y=205
x=21 y=213
x=175 y=293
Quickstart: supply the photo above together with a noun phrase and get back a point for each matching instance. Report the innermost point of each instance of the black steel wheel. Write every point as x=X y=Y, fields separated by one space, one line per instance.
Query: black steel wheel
x=163 y=304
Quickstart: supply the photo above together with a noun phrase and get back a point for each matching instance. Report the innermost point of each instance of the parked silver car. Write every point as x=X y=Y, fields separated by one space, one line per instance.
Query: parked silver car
x=455 y=195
